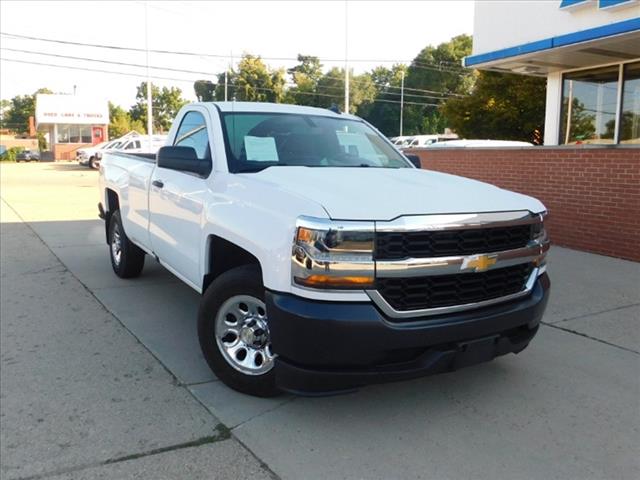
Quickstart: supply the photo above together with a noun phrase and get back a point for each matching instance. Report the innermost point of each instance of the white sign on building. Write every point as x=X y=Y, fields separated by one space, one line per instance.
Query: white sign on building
x=71 y=109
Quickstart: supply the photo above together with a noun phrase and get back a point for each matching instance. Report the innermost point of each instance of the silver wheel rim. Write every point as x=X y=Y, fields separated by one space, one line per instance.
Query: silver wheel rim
x=116 y=245
x=242 y=335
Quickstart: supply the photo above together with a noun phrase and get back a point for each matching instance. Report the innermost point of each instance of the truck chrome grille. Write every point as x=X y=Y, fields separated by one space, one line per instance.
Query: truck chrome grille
x=418 y=293
x=442 y=243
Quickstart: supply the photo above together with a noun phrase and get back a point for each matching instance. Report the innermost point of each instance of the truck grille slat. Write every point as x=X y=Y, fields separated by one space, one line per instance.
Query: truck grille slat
x=441 y=243
x=419 y=293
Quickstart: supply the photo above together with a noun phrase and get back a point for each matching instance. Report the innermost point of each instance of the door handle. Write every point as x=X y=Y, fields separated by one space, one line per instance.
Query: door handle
x=157 y=183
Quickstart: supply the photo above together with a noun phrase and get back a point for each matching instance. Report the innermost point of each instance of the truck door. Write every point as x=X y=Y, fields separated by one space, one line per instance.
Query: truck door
x=176 y=204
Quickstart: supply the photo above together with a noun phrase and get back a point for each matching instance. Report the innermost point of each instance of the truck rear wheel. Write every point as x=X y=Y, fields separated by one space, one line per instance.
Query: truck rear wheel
x=233 y=330
x=127 y=259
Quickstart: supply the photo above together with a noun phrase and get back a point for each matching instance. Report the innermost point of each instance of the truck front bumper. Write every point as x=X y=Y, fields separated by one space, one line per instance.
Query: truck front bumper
x=330 y=347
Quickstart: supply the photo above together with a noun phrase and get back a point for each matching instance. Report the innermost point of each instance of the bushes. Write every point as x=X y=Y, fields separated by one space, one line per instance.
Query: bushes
x=10 y=155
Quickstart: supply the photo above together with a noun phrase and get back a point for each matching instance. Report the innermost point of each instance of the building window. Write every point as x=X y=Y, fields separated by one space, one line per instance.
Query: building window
x=630 y=117
x=594 y=111
x=74 y=134
x=589 y=100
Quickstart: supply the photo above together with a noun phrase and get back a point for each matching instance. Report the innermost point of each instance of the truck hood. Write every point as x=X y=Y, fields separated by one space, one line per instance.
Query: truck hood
x=385 y=193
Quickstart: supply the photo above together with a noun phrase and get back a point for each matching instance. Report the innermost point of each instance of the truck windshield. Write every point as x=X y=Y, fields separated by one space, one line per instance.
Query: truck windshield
x=255 y=141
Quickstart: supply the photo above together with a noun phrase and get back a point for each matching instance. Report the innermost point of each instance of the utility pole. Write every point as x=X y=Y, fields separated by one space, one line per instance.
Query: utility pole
x=401 y=99
x=346 y=56
x=226 y=76
x=149 y=94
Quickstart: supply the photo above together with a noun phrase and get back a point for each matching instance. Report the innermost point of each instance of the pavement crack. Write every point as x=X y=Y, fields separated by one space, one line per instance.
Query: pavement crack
x=568 y=330
x=592 y=314
x=272 y=409
x=222 y=433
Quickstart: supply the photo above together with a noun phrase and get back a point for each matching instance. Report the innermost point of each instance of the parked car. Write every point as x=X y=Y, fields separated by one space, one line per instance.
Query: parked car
x=86 y=156
x=479 y=144
x=133 y=145
x=28 y=156
x=421 y=141
x=326 y=261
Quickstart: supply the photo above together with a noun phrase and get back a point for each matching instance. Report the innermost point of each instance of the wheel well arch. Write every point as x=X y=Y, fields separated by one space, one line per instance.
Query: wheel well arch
x=112 y=205
x=222 y=256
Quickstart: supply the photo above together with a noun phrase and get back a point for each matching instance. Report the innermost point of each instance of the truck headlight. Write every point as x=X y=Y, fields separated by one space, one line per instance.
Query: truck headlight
x=333 y=255
x=539 y=235
x=538 y=231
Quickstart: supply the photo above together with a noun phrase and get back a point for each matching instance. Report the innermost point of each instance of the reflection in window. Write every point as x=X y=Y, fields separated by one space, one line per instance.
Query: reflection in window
x=193 y=133
x=630 y=118
x=85 y=134
x=589 y=101
x=74 y=133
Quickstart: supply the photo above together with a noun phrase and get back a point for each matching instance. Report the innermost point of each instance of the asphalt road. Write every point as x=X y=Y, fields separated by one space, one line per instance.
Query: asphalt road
x=103 y=377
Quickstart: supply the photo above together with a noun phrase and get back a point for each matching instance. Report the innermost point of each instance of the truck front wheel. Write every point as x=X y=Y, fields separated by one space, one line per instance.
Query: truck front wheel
x=127 y=259
x=233 y=330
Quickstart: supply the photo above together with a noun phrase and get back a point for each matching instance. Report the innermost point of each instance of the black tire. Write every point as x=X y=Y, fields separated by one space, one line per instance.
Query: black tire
x=130 y=262
x=241 y=281
x=92 y=162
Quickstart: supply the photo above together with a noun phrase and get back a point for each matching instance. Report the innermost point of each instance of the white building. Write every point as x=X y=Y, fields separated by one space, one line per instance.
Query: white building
x=70 y=122
x=589 y=51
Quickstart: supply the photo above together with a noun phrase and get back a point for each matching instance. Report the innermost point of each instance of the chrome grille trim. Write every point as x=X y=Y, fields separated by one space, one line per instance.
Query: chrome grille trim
x=379 y=300
x=458 y=221
x=534 y=253
x=423 y=267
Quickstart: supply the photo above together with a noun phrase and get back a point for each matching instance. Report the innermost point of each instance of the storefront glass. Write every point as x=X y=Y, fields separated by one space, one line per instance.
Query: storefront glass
x=589 y=100
x=74 y=133
x=630 y=118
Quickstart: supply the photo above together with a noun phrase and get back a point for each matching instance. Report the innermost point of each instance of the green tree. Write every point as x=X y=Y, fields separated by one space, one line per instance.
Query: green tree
x=305 y=76
x=121 y=123
x=16 y=112
x=205 y=90
x=384 y=110
x=166 y=103
x=255 y=82
x=501 y=106
x=435 y=72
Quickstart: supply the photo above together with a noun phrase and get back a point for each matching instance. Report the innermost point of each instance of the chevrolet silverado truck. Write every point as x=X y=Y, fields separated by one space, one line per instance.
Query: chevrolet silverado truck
x=326 y=261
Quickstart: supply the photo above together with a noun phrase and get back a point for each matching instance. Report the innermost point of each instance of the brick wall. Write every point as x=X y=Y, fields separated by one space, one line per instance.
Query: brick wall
x=592 y=193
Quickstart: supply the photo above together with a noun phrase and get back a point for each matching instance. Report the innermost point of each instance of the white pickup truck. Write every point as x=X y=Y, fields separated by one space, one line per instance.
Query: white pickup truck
x=325 y=259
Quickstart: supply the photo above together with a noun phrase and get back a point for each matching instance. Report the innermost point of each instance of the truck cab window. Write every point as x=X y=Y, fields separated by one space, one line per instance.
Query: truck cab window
x=193 y=133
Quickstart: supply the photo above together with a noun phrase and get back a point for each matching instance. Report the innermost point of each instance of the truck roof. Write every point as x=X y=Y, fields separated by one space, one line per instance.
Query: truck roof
x=265 y=107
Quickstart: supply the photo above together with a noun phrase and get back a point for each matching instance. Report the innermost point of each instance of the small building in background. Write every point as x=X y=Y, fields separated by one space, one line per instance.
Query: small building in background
x=70 y=122
x=589 y=51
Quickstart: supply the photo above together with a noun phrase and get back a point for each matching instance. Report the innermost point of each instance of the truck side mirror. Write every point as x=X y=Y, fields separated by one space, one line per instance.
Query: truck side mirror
x=415 y=159
x=184 y=159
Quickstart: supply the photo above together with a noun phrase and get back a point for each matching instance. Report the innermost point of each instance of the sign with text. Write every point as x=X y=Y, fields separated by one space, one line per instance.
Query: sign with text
x=71 y=109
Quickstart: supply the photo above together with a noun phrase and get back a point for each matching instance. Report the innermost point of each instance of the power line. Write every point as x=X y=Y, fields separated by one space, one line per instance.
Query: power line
x=137 y=65
x=86 y=59
x=191 y=81
x=435 y=67
x=135 y=75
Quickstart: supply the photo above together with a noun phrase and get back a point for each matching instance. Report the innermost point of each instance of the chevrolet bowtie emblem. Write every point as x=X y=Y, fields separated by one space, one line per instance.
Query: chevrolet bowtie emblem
x=479 y=263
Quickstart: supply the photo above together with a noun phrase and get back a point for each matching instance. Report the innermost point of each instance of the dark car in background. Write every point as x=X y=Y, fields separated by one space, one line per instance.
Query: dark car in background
x=28 y=156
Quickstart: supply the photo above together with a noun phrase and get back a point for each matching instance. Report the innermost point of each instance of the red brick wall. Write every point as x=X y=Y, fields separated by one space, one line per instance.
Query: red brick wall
x=592 y=193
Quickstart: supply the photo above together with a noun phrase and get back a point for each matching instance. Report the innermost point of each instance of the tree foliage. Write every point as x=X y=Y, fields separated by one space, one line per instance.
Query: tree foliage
x=16 y=112
x=501 y=106
x=435 y=72
x=305 y=76
x=205 y=90
x=166 y=103
x=121 y=122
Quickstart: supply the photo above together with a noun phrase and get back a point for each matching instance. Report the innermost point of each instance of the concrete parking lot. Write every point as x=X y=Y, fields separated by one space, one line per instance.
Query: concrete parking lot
x=103 y=377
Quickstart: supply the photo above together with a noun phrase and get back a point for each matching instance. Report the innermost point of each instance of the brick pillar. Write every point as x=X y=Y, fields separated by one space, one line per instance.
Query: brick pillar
x=32 y=127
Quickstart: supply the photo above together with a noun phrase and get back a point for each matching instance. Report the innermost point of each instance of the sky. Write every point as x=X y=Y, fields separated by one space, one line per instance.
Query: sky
x=276 y=30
